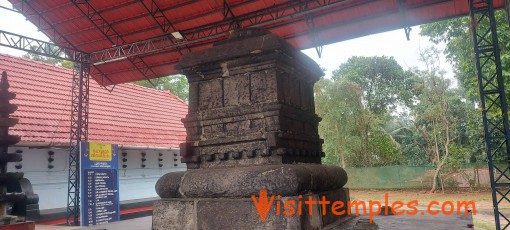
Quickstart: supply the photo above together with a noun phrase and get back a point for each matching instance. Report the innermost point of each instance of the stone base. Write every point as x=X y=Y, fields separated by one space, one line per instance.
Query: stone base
x=242 y=213
x=238 y=182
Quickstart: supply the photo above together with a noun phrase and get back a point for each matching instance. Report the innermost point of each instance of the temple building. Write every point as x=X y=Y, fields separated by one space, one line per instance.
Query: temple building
x=144 y=122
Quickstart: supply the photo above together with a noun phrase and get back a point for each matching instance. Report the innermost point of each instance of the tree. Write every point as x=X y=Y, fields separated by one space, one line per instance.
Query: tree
x=355 y=105
x=49 y=60
x=402 y=130
x=384 y=83
x=177 y=84
x=352 y=134
x=384 y=87
x=438 y=115
x=457 y=35
x=339 y=104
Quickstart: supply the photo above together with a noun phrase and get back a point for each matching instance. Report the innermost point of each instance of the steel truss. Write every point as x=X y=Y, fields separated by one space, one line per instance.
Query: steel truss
x=39 y=47
x=192 y=37
x=314 y=35
x=493 y=104
x=163 y=22
x=79 y=95
x=274 y=16
x=79 y=105
x=227 y=12
x=113 y=36
x=79 y=131
x=84 y=61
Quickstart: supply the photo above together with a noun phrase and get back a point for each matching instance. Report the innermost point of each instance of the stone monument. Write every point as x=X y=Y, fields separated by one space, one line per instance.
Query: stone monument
x=251 y=131
x=11 y=179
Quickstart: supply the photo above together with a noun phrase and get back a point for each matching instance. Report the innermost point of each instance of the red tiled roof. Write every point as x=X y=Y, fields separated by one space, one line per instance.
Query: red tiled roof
x=129 y=115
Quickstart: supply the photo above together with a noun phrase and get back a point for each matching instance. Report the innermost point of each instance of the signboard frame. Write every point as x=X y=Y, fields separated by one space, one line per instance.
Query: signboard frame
x=99 y=183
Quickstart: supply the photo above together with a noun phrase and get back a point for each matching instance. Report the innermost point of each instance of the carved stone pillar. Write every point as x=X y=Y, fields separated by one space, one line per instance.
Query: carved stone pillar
x=11 y=179
x=251 y=126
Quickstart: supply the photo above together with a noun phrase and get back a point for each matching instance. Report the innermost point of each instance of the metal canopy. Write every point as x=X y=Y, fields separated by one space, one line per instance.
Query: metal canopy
x=143 y=39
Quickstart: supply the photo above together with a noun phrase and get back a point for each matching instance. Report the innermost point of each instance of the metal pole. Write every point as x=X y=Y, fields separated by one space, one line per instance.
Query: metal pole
x=493 y=104
x=79 y=119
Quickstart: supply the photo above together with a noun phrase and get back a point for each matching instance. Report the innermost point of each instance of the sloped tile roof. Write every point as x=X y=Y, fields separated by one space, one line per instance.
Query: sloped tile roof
x=129 y=115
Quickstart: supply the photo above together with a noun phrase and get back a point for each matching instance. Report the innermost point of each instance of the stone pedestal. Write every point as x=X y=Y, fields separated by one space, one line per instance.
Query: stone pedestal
x=251 y=127
x=241 y=213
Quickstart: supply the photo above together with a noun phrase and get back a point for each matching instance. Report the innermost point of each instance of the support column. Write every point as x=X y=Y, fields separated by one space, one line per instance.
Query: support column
x=79 y=132
x=493 y=103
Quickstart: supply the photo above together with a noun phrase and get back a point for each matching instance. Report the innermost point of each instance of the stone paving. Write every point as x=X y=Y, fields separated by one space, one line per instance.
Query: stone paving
x=403 y=222
x=142 y=223
x=406 y=222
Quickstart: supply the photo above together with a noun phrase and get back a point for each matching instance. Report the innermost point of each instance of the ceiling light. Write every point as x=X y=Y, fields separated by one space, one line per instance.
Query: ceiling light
x=177 y=35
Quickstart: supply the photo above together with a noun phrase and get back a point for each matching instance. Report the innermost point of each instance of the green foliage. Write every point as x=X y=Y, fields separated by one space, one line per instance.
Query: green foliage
x=52 y=61
x=403 y=131
x=177 y=84
x=457 y=35
x=383 y=81
x=354 y=106
x=338 y=103
x=441 y=116
x=375 y=114
x=450 y=183
x=459 y=156
x=67 y=64
x=383 y=149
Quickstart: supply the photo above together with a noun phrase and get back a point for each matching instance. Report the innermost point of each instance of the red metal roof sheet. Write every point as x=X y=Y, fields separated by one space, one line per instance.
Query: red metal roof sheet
x=129 y=115
x=95 y=25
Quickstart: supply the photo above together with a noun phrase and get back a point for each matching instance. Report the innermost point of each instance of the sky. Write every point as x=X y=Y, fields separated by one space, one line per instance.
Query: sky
x=393 y=44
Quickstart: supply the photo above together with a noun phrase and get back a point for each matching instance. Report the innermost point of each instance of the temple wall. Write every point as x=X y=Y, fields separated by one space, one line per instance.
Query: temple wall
x=135 y=182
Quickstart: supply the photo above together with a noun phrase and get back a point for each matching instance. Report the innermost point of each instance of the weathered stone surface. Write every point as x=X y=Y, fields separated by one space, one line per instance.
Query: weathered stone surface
x=174 y=214
x=365 y=224
x=283 y=179
x=251 y=103
x=169 y=184
x=240 y=214
x=250 y=42
x=251 y=126
x=225 y=213
x=6 y=178
x=8 y=122
x=334 y=195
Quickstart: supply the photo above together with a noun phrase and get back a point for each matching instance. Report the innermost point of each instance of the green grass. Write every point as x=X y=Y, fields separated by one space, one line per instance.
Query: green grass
x=483 y=225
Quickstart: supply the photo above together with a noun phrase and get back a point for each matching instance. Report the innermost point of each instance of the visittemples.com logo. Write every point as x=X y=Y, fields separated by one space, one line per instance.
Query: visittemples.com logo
x=264 y=202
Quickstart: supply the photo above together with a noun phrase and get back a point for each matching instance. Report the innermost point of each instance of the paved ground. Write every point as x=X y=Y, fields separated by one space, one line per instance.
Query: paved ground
x=418 y=222
x=403 y=222
x=143 y=223
x=51 y=227
x=484 y=218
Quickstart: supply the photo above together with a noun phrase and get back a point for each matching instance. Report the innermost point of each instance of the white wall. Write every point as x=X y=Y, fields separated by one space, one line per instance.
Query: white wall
x=135 y=182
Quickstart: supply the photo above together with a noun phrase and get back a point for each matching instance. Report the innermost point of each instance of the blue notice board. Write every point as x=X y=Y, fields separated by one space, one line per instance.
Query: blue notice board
x=99 y=182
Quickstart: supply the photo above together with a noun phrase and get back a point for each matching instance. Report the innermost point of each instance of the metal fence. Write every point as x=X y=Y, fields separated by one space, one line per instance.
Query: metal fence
x=419 y=177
